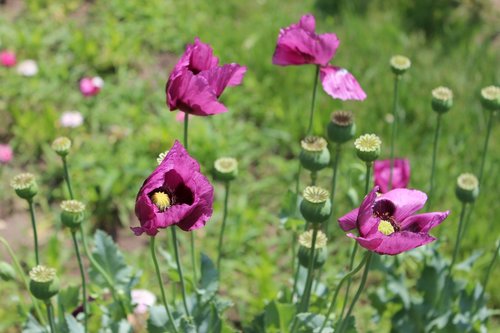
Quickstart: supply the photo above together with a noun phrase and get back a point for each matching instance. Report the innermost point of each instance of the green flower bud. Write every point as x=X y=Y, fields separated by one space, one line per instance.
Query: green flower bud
x=315 y=206
x=43 y=282
x=61 y=146
x=442 y=99
x=72 y=213
x=368 y=147
x=314 y=155
x=7 y=272
x=25 y=185
x=320 y=252
x=225 y=169
x=490 y=98
x=341 y=127
x=467 y=188
x=400 y=64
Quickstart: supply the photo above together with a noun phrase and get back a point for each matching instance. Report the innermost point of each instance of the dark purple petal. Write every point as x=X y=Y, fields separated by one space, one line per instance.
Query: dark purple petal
x=406 y=201
x=222 y=76
x=365 y=221
x=369 y=244
x=348 y=221
x=423 y=222
x=339 y=83
x=400 y=175
x=201 y=57
x=396 y=243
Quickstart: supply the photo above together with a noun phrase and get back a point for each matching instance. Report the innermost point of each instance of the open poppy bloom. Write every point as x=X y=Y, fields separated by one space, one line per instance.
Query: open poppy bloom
x=176 y=193
x=91 y=86
x=400 y=173
x=7 y=59
x=386 y=222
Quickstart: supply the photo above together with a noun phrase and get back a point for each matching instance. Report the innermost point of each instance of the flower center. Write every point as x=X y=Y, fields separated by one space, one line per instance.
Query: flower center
x=385 y=227
x=384 y=209
x=161 y=200
x=368 y=142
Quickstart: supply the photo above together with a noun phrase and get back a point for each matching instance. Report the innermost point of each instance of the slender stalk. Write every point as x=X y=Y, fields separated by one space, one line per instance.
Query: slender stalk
x=66 y=177
x=368 y=176
x=84 y=284
x=394 y=125
x=348 y=276
x=35 y=234
x=485 y=147
x=179 y=270
x=459 y=238
x=313 y=101
x=223 y=226
x=186 y=126
x=490 y=268
x=334 y=183
x=304 y=305
x=158 y=275
x=50 y=315
x=314 y=177
x=434 y=154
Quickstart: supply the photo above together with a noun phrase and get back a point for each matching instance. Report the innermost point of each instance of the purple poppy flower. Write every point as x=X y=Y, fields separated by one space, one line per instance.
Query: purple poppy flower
x=6 y=153
x=91 y=86
x=400 y=173
x=298 y=44
x=386 y=222
x=339 y=83
x=7 y=59
x=176 y=193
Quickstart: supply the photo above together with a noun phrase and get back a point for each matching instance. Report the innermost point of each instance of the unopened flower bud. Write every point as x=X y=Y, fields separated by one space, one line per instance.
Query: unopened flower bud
x=314 y=155
x=43 y=282
x=442 y=99
x=400 y=64
x=225 y=169
x=467 y=188
x=490 y=98
x=25 y=185
x=320 y=252
x=341 y=127
x=61 y=146
x=315 y=206
x=368 y=147
x=72 y=213
x=7 y=272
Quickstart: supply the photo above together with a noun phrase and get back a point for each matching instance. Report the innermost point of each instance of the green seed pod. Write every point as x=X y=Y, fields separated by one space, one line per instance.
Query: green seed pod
x=315 y=206
x=7 y=272
x=225 y=169
x=467 y=188
x=25 y=185
x=400 y=64
x=61 y=146
x=442 y=99
x=314 y=155
x=319 y=257
x=490 y=98
x=43 y=282
x=72 y=213
x=341 y=127
x=368 y=147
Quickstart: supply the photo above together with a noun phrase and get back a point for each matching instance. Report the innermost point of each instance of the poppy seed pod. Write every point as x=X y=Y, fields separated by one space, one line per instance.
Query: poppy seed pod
x=72 y=213
x=25 y=185
x=314 y=155
x=7 y=272
x=44 y=282
x=61 y=146
x=490 y=98
x=368 y=147
x=341 y=127
x=315 y=206
x=225 y=169
x=399 y=64
x=442 y=99
x=467 y=188
x=320 y=252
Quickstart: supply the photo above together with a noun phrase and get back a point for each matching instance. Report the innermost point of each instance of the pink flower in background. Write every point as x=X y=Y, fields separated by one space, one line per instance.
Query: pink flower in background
x=71 y=119
x=180 y=116
x=27 y=68
x=176 y=193
x=6 y=153
x=386 y=223
x=339 y=83
x=298 y=44
x=91 y=86
x=400 y=173
x=142 y=299
x=7 y=59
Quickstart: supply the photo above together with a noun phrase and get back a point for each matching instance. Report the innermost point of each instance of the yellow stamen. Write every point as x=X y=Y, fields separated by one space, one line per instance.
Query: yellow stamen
x=385 y=227
x=161 y=200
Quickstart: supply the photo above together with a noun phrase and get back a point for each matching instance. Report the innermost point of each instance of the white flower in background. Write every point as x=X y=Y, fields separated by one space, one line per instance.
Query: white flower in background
x=27 y=68
x=71 y=119
x=142 y=299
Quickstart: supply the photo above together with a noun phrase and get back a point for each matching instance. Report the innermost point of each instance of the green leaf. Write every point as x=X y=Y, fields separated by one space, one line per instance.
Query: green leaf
x=467 y=264
x=71 y=325
x=158 y=321
x=350 y=325
x=209 y=281
x=68 y=298
x=32 y=326
x=278 y=316
x=311 y=323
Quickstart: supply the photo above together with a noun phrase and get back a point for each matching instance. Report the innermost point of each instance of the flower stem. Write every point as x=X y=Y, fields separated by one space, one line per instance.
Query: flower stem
x=179 y=270
x=304 y=305
x=50 y=315
x=485 y=147
x=35 y=234
x=394 y=125
x=488 y=272
x=434 y=154
x=158 y=275
x=334 y=183
x=459 y=238
x=82 y=274
x=66 y=177
x=313 y=101
x=223 y=226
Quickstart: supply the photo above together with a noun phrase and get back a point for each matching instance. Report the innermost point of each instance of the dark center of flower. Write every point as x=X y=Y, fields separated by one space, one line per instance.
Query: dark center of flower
x=164 y=198
x=384 y=210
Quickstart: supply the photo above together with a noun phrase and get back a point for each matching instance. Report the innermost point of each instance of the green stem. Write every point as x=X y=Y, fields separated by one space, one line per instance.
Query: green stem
x=295 y=264
x=485 y=147
x=66 y=177
x=186 y=123
x=348 y=277
x=313 y=101
x=84 y=284
x=314 y=178
x=434 y=154
x=368 y=176
x=334 y=183
x=158 y=275
x=35 y=234
x=394 y=125
x=459 y=238
x=179 y=270
x=304 y=305
x=223 y=226
x=490 y=268
x=50 y=315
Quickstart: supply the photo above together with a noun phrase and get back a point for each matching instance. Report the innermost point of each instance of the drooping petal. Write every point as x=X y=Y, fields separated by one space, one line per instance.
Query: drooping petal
x=423 y=222
x=400 y=176
x=348 y=221
x=396 y=243
x=369 y=244
x=366 y=223
x=339 y=83
x=222 y=76
x=406 y=201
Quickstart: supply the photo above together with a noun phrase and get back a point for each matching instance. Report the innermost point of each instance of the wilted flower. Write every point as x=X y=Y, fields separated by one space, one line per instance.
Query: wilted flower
x=71 y=119
x=7 y=59
x=197 y=81
x=142 y=299
x=91 y=86
x=27 y=68
x=386 y=223
x=176 y=193
x=6 y=153
x=400 y=173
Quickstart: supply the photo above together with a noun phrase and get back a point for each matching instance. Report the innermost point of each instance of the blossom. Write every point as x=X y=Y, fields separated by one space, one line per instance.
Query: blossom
x=91 y=86
x=143 y=299
x=6 y=153
x=71 y=119
x=400 y=173
x=298 y=44
x=387 y=224
x=7 y=59
x=27 y=68
x=339 y=83
x=176 y=193
x=197 y=81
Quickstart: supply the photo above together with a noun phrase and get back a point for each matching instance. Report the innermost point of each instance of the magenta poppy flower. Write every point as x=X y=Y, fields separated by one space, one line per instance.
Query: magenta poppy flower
x=339 y=83
x=176 y=193
x=7 y=59
x=299 y=44
x=387 y=224
x=91 y=86
x=400 y=173
x=6 y=153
